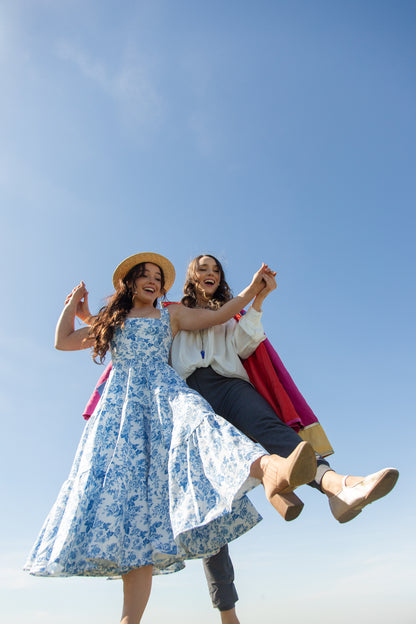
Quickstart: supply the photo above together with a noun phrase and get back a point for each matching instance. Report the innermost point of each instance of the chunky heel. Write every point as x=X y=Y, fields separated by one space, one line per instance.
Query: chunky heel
x=281 y=476
x=288 y=505
x=300 y=467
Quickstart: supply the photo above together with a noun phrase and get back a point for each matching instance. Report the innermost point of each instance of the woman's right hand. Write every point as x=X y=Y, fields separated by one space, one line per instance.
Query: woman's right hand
x=79 y=297
x=66 y=337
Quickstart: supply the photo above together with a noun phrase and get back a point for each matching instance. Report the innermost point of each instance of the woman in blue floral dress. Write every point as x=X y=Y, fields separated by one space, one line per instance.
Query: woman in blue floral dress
x=158 y=477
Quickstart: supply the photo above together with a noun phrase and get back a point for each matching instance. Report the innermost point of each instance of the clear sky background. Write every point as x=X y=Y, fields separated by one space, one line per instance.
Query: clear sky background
x=276 y=131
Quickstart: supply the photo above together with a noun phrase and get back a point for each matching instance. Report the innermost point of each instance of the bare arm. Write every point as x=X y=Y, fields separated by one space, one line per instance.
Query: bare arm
x=66 y=337
x=183 y=318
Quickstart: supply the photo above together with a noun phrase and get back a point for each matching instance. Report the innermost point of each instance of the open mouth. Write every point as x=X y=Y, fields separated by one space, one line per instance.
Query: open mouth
x=209 y=282
x=149 y=289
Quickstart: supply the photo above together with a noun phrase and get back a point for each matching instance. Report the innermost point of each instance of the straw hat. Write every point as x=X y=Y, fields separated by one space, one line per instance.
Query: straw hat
x=127 y=264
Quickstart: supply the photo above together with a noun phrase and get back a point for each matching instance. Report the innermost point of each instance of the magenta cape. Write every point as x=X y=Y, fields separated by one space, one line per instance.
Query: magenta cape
x=98 y=390
x=271 y=379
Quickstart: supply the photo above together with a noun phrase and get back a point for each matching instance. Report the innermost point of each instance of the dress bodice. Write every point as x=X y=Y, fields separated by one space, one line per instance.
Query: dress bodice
x=142 y=340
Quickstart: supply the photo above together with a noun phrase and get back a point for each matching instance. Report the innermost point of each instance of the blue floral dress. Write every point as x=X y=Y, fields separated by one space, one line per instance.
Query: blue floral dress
x=157 y=478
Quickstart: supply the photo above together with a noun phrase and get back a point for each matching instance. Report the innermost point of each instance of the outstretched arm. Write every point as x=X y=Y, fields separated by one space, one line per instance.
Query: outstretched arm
x=183 y=318
x=67 y=338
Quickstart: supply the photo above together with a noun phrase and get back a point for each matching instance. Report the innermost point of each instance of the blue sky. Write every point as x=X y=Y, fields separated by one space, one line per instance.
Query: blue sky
x=272 y=131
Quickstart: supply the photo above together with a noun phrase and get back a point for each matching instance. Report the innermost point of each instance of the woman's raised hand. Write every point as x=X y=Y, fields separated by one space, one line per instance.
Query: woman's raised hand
x=269 y=284
x=79 y=297
x=257 y=283
x=269 y=278
x=66 y=337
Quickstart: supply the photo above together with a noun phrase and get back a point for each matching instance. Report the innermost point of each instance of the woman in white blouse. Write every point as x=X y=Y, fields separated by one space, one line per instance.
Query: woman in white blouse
x=209 y=361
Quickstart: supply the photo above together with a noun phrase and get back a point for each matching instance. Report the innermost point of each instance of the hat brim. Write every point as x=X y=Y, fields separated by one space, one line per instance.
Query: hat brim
x=127 y=264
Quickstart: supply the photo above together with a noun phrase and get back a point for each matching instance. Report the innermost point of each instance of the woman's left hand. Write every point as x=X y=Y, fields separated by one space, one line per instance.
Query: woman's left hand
x=257 y=283
x=269 y=278
x=269 y=281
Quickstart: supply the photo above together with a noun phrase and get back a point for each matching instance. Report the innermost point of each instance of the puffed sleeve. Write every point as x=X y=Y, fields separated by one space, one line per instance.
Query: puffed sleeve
x=248 y=333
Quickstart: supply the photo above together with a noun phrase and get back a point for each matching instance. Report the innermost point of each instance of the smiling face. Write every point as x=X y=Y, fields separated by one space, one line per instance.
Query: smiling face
x=148 y=285
x=205 y=284
x=207 y=277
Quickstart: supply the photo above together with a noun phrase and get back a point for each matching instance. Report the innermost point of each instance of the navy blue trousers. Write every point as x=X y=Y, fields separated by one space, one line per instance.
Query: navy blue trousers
x=239 y=402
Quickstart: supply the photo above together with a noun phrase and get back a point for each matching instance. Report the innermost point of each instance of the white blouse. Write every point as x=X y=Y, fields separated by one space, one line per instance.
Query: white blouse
x=222 y=345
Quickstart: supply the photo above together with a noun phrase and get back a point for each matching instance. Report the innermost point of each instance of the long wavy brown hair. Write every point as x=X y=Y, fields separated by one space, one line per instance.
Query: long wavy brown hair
x=114 y=313
x=222 y=294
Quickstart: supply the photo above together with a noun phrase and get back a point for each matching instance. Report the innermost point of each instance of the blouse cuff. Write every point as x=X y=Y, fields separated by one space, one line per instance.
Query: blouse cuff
x=249 y=333
x=252 y=317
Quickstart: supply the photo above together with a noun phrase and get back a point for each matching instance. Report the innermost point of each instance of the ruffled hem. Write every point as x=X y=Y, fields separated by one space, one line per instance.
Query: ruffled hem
x=91 y=532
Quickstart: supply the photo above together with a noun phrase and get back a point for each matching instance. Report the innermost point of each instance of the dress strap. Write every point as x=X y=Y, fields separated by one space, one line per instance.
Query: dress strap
x=165 y=317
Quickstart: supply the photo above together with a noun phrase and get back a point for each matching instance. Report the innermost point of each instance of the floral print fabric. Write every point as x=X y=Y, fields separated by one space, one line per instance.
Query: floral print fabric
x=157 y=478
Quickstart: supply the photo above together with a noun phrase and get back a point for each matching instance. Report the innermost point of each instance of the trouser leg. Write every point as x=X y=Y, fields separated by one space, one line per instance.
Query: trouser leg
x=219 y=573
x=239 y=402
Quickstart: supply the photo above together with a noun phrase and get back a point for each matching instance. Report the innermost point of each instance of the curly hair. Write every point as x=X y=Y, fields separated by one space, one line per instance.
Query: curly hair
x=114 y=313
x=222 y=294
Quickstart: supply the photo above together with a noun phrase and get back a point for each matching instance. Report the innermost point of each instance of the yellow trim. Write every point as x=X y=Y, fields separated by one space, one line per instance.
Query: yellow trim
x=317 y=437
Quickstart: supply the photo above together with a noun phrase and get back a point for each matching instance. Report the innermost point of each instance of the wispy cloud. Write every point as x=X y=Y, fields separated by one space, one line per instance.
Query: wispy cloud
x=91 y=69
x=130 y=85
